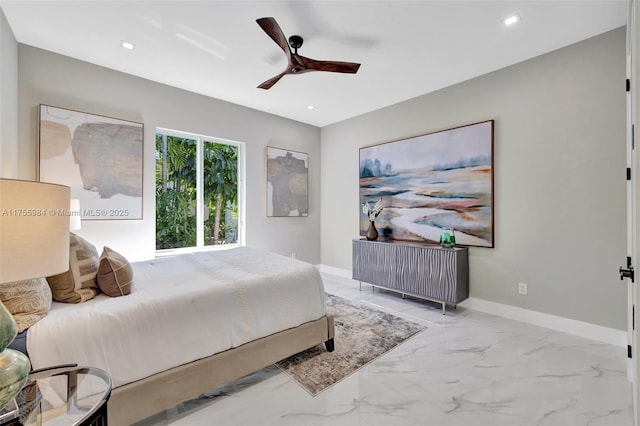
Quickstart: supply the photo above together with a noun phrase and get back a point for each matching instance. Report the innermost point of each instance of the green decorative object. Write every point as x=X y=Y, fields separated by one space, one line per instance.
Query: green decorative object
x=14 y=369
x=447 y=237
x=8 y=328
x=14 y=365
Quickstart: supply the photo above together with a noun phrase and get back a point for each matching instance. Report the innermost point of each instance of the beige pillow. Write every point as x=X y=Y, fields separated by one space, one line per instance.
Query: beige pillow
x=115 y=275
x=28 y=301
x=79 y=283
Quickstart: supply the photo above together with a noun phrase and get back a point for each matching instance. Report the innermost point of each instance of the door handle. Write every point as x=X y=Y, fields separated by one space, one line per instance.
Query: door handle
x=627 y=273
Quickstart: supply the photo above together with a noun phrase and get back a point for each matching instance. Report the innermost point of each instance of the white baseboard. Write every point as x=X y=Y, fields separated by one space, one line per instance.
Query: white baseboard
x=587 y=330
x=566 y=325
x=345 y=273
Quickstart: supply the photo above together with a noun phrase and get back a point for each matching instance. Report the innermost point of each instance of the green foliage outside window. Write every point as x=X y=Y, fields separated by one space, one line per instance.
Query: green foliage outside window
x=176 y=193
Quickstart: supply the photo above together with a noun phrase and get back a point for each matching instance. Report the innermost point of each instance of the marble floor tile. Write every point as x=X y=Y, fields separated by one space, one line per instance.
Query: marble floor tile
x=466 y=368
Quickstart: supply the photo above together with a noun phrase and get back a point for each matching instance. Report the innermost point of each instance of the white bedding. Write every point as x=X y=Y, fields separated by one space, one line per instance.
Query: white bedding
x=181 y=308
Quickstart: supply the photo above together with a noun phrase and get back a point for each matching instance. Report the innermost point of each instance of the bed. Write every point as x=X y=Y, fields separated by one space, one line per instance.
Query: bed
x=192 y=322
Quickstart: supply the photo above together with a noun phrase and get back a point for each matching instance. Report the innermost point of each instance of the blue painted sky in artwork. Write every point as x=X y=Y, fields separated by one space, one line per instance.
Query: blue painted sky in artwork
x=456 y=146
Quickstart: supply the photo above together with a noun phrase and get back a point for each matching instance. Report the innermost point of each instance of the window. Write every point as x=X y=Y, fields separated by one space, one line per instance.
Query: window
x=199 y=191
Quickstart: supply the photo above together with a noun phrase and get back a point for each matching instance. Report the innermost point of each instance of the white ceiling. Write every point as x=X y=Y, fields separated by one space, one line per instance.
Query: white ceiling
x=216 y=48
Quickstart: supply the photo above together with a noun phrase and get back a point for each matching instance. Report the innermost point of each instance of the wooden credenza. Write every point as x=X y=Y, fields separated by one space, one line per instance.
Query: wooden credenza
x=426 y=271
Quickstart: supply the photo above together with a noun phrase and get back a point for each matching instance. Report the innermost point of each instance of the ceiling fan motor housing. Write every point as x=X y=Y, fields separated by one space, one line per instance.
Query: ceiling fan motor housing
x=295 y=41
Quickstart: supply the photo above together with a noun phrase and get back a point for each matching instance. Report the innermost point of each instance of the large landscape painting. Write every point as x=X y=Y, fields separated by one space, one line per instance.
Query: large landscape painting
x=427 y=182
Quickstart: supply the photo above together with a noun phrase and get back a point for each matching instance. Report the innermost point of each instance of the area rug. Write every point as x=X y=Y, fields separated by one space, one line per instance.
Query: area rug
x=361 y=335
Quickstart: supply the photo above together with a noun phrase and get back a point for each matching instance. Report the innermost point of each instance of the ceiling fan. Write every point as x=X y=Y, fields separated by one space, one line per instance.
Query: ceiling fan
x=298 y=64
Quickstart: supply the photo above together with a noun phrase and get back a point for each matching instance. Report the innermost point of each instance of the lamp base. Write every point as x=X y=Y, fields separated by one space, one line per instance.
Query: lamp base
x=14 y=371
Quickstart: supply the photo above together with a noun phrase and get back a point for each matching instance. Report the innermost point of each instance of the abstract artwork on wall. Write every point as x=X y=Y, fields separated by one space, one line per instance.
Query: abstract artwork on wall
x=432 y=181
x=287 y=182
x=99 y=158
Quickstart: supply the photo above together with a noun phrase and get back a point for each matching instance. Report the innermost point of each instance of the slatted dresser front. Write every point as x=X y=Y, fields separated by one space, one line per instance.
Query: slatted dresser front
x=425 y=271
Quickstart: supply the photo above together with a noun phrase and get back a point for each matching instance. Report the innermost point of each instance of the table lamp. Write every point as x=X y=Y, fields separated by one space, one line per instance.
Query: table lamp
x=75 y=222
x=34 y=243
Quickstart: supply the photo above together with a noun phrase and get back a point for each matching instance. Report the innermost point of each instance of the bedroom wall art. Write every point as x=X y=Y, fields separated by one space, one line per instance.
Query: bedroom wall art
x=432 y=181
x=98 y=157
x=287 y=182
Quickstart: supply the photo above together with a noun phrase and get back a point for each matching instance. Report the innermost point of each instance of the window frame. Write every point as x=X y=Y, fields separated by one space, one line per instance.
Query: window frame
x=241 y=177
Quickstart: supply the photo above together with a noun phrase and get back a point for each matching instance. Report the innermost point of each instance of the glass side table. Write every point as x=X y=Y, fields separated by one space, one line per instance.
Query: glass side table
x=61 y=396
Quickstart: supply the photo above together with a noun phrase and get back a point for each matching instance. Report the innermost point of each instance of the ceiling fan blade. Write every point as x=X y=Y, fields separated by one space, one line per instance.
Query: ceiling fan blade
x=273 y=30
x=298 y=64
x=267 y=84
x=331 y=66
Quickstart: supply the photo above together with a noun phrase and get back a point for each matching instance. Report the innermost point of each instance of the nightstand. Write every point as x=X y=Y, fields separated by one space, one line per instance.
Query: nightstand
x=63 y=395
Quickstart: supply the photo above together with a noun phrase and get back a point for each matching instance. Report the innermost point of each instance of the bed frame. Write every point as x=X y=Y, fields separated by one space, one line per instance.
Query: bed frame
x=143 y=398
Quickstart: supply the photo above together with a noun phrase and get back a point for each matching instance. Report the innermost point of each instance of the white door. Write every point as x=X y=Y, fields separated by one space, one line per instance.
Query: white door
x=633 y=208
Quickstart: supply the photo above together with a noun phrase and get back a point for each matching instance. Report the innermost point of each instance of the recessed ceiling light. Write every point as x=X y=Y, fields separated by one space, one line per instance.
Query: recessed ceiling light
x=127 y=45
x=310 y=107
x=511 y=19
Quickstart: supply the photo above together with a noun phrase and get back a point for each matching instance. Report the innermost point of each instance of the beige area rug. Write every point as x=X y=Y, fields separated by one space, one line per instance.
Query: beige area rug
x=361 y=335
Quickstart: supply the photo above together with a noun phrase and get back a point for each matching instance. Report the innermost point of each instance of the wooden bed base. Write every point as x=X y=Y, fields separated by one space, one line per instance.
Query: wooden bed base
x=143 y=398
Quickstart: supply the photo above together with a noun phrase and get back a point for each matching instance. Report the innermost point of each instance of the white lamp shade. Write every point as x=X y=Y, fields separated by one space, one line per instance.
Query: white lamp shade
x=75 y=221
x=34 y=229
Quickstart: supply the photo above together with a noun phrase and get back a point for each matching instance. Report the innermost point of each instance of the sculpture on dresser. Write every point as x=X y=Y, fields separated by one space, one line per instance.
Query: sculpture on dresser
x=447 y=237
x=372 y=213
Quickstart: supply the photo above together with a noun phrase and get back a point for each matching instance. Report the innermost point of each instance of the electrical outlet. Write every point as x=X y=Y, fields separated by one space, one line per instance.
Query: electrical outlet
x=522 y=289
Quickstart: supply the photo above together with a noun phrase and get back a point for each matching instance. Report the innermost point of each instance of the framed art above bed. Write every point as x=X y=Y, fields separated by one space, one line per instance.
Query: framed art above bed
x=98 y=157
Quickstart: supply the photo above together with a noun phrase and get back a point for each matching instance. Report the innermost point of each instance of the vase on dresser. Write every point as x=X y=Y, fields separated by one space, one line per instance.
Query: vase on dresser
x=372 y=232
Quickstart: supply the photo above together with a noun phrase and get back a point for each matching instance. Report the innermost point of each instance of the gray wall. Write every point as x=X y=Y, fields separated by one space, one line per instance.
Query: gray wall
x=8 y=100
x=560 y=207
x=559 y=165
x=52 y=79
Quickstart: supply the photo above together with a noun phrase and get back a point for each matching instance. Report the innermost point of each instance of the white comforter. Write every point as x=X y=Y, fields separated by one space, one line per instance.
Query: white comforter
x=182 y=308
